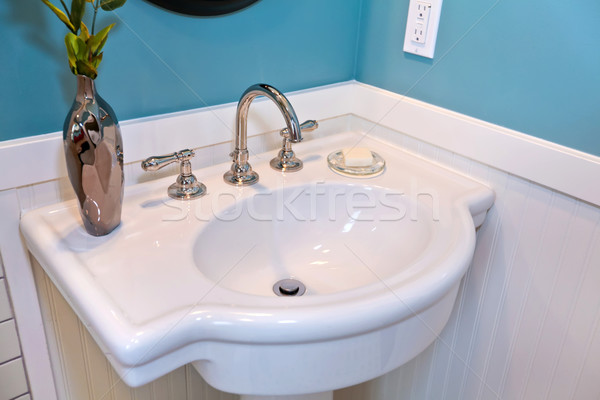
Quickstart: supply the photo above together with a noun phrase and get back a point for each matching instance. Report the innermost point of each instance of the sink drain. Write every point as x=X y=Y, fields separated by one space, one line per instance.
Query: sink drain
x=289 y=287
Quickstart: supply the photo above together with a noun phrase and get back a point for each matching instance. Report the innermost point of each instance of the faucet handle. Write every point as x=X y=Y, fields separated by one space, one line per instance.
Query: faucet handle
x=306 y=126
x=186 y=187
x=286 y=160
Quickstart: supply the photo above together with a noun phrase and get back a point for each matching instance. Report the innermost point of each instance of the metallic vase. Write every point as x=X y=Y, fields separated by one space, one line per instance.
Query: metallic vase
x=94 y=155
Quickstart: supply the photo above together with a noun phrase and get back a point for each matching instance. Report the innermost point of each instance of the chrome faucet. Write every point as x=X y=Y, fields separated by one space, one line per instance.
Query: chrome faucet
x=241 y=172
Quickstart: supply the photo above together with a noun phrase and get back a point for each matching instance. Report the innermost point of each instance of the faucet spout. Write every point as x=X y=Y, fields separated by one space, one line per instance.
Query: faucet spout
x=241 y=172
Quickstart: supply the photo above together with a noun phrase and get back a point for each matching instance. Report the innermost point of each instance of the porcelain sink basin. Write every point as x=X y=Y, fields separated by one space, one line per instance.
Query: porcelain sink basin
x=380 y=259
x=330 y=237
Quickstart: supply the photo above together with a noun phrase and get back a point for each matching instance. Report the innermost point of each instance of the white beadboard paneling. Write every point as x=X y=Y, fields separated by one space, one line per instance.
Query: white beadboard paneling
x=50 y=192
x=527 y=321
x=568 y=274
x=581 y=308
x=524 y=379
x=83 y=372
x=5 y=309
x=497 y=265
x=21 y=285
x=587 y=374
x=12 y=379
x=587 y=319
x=9 y=341
x=515 y=287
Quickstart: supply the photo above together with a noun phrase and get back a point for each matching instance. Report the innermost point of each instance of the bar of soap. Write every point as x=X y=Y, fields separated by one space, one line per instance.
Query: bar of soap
x=357 y=157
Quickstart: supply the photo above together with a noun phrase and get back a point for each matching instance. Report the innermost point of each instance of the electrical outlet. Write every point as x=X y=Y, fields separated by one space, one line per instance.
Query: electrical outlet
x=422 y=26
x=419 y=33
x=423 y=11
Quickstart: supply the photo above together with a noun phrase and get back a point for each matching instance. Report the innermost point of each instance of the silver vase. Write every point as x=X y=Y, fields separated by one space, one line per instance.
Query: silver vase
x=94 y=155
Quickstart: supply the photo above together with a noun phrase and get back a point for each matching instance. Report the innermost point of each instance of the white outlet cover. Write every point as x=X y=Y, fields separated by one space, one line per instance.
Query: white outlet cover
x=426 y=48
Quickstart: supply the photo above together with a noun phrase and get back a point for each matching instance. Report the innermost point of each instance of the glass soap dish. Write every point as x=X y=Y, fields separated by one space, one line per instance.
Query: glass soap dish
x=336 y=162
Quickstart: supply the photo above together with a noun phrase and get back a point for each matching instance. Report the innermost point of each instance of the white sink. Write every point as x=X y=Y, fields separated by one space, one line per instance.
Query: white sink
x=332 y=237
x=192 y=282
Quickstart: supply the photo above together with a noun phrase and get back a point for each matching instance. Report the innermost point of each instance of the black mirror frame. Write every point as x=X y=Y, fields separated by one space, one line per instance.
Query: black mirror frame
x=203 y=8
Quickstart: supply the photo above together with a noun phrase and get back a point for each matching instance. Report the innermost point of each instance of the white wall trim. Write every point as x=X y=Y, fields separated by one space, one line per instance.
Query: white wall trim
x=39 y=158
x=24 y=299
x=549 y=164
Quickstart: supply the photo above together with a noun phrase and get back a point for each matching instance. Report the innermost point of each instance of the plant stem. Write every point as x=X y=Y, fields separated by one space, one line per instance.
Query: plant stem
x=66 y=9
x=95 y=5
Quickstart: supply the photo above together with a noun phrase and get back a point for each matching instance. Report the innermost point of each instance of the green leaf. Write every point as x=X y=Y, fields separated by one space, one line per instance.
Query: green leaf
x=85 y=33
x=96 y=60
x=109 y=5
x=71 y=43
x=82 y=52
x=87 y=69
x=61 y=15
x=77 y=50
x=77 y=11
x=97 y=41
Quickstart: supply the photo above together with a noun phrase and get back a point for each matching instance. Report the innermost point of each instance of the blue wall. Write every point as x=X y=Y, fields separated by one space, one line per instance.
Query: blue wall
x=533 y=66
x=157 y=62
